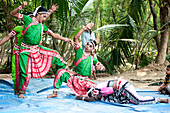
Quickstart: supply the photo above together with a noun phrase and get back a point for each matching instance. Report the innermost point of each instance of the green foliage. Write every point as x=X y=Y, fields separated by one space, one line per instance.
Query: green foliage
x=145 y=60
x=124 y=44
x=124 y=28
x=168 y=57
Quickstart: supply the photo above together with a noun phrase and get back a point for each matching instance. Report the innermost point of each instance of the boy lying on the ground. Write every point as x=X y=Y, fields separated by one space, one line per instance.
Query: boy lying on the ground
x=118 y=91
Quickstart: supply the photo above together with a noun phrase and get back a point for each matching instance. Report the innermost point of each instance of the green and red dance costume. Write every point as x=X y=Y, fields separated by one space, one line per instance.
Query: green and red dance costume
x=80 y=83
x=35 y=60
x=17 y=31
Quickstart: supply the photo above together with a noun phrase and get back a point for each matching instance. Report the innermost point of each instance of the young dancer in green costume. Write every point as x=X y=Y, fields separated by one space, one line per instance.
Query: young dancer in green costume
x=34 y=59
x=17 y=33
x=78 y=81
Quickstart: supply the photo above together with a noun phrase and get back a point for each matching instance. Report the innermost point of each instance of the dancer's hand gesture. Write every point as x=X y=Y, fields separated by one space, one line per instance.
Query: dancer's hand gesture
x=74 y=44
x=24 y=4
x=69 y=41
x=54 y=7
x=89 y=25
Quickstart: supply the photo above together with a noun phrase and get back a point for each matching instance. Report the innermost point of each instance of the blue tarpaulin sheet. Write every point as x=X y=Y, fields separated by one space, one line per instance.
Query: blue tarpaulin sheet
x=36 y=101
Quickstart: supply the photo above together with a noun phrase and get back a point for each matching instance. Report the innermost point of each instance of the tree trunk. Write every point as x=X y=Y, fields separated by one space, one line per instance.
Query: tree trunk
x=96 y=12
x=101 y=33
x=9 y=22
x=156 y=38
x=164 y=17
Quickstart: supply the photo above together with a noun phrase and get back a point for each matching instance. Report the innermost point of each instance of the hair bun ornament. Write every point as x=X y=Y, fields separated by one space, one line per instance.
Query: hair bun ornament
x=41 y=10
x=93 y=42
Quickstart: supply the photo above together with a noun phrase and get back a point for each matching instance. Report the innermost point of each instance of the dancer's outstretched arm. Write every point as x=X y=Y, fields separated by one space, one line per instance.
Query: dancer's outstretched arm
x=5 y=39
x=88 y=26
x=57 y=36
x=15 y=13
x=53 y=8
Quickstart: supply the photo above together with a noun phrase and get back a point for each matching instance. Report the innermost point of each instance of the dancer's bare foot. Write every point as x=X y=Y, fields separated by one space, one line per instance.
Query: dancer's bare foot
x=52 y=95
x=164 y=100
x=16 y=93
x=79 y=97
x=163 y=92
x=21 y=96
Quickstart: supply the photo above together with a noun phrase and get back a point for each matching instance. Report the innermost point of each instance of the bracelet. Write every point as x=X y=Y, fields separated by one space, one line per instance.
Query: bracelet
x=83 y=98
x=20 y=7
x=51 y=11
x=158 y=100
x=66 y=40
x=101 y=68
x=55 y=91
x=85 y=28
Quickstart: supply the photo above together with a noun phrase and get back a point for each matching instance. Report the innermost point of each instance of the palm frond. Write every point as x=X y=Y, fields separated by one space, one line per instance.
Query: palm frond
x=110 y=27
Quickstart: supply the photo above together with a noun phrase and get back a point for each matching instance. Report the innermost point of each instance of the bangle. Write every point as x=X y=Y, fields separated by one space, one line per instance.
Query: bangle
x=55 y=91
x=66 y=40
x=85 y=28
x=101 y=68
x=20 y=7
x=51 y=11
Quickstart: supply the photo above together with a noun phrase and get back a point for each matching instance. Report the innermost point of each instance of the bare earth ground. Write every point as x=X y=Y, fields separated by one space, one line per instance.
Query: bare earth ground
x=140 y=78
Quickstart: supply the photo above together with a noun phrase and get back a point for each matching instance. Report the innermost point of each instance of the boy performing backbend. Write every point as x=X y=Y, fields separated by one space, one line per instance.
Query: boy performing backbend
x=165 y=87
x=118 y=91
x=78 y=80
x=34 y=59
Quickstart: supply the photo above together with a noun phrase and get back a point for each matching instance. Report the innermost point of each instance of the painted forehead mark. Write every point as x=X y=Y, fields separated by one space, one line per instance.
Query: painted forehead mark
x=90 y=43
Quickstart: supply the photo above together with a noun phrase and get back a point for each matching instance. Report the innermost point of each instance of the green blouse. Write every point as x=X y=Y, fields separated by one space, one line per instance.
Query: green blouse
x=33 y=34
x=84 y=68
x=19 y=38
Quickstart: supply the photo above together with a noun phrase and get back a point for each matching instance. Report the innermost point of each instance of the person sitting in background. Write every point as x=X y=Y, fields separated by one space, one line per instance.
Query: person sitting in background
x=165 y=87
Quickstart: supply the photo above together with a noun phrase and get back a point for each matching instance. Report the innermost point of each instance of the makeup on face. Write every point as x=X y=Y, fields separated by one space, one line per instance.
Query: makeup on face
x=90 y=45
x=42 y=17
